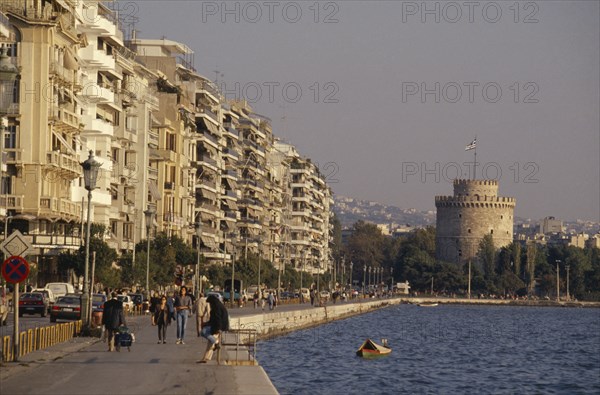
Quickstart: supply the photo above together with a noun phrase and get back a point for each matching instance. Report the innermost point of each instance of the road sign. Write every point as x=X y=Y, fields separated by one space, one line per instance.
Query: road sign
x=16 y=245
x=15 y=269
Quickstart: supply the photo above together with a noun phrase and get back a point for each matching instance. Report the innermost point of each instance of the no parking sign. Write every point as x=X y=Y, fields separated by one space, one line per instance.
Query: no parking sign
x=15 y=269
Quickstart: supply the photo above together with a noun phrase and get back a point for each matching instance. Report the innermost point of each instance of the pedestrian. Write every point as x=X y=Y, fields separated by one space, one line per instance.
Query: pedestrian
x=171 y=305
x=154 y=301
x=255 y=299
x=162 y=318
x=217 y=323
x=202 y=313
x=271 y=301
x=312 y=297
x=183 y=309
x=112 y=318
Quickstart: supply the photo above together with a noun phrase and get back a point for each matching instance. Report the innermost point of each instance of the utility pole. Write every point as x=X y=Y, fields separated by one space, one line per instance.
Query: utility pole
x=469 y=292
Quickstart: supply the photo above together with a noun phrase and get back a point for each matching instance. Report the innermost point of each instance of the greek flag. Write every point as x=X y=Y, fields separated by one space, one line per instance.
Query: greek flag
x=471 y=146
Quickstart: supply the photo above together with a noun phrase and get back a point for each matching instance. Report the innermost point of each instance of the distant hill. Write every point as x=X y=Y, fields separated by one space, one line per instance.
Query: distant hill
x=350 y=210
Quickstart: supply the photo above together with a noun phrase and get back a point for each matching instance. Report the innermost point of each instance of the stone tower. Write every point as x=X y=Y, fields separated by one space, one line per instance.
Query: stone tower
x=474 y=211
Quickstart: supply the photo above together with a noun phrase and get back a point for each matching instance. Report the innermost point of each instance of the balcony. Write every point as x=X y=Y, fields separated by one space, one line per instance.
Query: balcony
x=64 y=163
x=65 y=120
x=207 y=113
x=168 y=155
x=209 y=139
x=208 y=88
x=231 y=153
x=27 y=12
x=98 y=94
x=99 y=127
x=56 y=207
x=207 y=161
x=62 y=74
x=12 y=202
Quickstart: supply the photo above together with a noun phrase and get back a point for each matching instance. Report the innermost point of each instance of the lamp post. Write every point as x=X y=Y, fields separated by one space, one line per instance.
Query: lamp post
x=364 y=278
x=198 y=276
x=351 y=273
x=301 y=273
x=557 y=281
x=392 y=280
x=568 y=296
x=90 y=175
x=149 y=214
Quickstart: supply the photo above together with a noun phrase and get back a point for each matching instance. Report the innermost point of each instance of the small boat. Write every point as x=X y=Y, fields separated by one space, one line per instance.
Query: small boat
x=432 y=304
x=370 y=349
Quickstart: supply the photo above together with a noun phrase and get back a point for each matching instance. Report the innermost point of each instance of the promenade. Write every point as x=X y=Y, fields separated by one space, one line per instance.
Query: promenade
x=83 y=366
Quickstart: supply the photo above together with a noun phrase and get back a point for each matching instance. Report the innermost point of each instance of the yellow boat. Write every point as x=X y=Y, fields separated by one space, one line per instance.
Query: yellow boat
x=370 y=349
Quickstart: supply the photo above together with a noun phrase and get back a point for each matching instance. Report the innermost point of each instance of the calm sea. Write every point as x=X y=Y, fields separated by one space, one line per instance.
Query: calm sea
x=444 y=349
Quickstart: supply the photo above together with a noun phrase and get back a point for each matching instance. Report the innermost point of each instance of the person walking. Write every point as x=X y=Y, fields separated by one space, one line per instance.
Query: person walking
x=183 y=307
x=162 y=318
x=112 y=318
x=171 y=305
x=271 y=301
x=202 y=313
x=218 y=322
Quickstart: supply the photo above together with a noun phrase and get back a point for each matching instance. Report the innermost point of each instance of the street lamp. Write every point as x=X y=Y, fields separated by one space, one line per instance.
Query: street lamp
x=90 y=175
x=568 y=296
x=149 y=213
x=364 y=278
x=198 y=241
x=557 y=281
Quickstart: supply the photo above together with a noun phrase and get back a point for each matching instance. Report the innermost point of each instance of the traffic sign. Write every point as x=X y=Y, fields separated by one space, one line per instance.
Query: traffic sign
x=16 y=245
x=15 y=269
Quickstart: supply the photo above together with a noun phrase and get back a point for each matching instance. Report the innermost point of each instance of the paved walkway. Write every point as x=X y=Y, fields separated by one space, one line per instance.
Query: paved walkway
x=83 y=366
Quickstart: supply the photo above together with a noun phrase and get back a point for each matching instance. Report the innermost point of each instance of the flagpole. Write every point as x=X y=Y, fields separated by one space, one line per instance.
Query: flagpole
x=475 y=163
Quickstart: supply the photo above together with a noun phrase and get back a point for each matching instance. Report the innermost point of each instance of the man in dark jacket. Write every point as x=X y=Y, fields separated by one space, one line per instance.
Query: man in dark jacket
x=112 y=318
x=218 y=322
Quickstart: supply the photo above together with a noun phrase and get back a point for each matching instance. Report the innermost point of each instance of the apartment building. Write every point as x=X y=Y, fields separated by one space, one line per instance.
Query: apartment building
x=41 y=142
x=165 y=136
x=310 y=226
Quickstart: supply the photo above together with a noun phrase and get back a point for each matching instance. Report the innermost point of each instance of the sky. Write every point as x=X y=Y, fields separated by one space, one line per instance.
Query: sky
x=385 y=95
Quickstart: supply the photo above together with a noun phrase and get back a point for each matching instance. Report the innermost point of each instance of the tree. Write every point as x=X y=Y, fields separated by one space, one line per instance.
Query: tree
x=487 y=255
x=105 y=274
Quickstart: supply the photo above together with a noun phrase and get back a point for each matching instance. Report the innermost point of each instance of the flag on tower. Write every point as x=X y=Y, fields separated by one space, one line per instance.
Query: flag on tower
x=471 y=146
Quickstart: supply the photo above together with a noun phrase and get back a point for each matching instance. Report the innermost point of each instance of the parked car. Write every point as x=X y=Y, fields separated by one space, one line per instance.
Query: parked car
x=33 y=303
x=66 y=308
x=60 y=289
x=98 y=301
x=49 y=294
x=127 y=302
x=324 y=295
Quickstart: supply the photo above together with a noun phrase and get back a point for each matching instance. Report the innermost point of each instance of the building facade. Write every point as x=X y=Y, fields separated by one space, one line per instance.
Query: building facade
x=167 y=140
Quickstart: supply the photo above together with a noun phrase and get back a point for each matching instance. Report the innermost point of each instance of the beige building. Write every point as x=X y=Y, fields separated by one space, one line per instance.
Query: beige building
x=165 y=136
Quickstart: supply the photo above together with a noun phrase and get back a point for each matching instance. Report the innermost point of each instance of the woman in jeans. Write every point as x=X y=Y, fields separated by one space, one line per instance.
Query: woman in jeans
x=162 y=318
x=183 y=309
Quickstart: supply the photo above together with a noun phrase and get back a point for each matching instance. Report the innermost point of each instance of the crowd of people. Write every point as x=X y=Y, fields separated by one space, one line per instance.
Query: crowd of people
x=212 y=318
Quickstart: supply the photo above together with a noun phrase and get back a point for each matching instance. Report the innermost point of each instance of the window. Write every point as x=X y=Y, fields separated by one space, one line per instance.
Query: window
x=469 y=230
x=492 y=231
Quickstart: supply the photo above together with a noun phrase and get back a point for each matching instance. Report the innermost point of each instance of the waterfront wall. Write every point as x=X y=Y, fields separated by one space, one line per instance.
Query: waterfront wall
x=282 y=322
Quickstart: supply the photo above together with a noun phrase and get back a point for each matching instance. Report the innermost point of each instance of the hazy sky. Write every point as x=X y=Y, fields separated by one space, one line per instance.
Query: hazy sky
x=390 y=97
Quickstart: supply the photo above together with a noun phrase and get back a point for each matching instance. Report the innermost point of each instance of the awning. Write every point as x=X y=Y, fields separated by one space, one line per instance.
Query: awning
x=210 y=127
x=210 y=243
x=232 y=184
x=70 y=61
x=63 y=142
x=208 y=194
x=206 y=216
x=104 y=114
x=153 y=188
x=231 y=204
